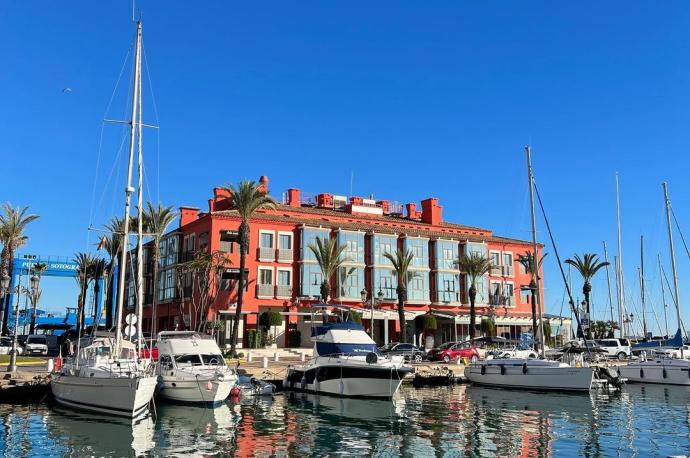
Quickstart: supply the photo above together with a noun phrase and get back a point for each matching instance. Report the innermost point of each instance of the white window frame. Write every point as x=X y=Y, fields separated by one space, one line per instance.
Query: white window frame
x=258 y=275
x=283 y=269
x=273 y=239
x=292 y=240
x=512 y=263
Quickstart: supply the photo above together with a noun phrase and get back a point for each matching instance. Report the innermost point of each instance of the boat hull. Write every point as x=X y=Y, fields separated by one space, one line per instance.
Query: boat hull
x=665 y=372
x=523 y=375
x=347 y=381
x=120 y=396
x=195 y=391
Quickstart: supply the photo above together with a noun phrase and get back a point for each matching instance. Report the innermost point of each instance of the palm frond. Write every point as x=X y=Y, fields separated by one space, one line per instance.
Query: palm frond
x=247 y=198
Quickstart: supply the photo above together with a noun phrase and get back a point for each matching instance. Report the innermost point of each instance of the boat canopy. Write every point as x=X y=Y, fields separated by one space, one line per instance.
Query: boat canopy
x=186 y=344
x=675 y=342
x=342 y=339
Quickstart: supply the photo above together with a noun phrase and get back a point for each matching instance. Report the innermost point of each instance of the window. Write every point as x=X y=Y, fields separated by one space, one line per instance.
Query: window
x=266 y=240
x=508 y=259
x=265 y=276
x=315 y=278
x=285 y=241
x=354 y=246
x=309 y=236
x=284 y=277
x=495 y=258
x=350 y=282
x=380 y=245
x=203 y=241
x=227 y=241
x=351 y=250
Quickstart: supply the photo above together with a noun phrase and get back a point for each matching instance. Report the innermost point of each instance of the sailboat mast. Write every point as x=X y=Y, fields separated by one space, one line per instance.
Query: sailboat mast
x=644 y=319
x=608 y=279
x=535 y=253
x=140 y=222
x=619 y=276
x=673 y=256
x=128 y=196
x=663 y=292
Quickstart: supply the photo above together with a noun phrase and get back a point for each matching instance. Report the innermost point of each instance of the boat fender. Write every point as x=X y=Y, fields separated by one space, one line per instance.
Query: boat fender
x=641 y=373
x=524 y=368
x=663 y=372
x=483 y=371
x=235 y=392
x=372 y=358
x=503 y=370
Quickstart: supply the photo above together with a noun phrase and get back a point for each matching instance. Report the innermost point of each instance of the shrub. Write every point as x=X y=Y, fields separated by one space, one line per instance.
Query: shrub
x=487 y=326
x=270 y=318
x=294 y=338
x=354 y=317
x=425 y=322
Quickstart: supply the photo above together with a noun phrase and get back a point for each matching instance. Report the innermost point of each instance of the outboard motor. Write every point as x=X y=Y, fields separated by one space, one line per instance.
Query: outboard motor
x=612 y=377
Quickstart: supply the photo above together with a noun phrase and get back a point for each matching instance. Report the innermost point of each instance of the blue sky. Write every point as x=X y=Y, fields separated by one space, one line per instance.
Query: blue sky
x=413 y=99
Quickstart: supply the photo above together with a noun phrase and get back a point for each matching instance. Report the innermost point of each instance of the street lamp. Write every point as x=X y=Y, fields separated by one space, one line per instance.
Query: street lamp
x=12 y=367
x=379 y=298
x=35 y=291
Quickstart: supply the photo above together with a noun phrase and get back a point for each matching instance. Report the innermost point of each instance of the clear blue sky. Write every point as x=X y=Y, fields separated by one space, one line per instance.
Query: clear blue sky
x=416 y=100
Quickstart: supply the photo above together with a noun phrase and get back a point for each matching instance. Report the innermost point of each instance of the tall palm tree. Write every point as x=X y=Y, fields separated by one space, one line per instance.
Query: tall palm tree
x=401 y=265
x=527 y=261
x=329 y=256
x=35 y=296
x=156 y=222
x=474 y=266
x=588 y=265
x=247 y=197
x=111 y=243
x=85 y=267
x=13 y=222
x=98 y=271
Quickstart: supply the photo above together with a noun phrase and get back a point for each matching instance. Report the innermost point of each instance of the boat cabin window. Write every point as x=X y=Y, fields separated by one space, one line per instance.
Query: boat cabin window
x=213 y=360
x=192 y=360
x=127 y=353
x=166 y=362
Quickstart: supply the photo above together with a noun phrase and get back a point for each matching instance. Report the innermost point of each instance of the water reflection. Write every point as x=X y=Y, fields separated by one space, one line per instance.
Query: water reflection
x=642 y=420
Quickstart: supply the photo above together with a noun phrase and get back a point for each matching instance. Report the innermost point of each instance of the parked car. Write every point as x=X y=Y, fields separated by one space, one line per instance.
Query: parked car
x=453 y=350
x=616 y=348
x=36 y=345
x=406 y=350
x=6 y=346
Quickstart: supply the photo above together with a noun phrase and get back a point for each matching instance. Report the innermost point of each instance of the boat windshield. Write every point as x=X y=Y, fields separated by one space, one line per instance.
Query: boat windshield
x=350 y=349
x=198 y=360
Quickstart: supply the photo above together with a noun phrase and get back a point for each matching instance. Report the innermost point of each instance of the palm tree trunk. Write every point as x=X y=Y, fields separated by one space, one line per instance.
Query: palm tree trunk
x=154 y=297
x=244 y=248
x=473 y=311
x=402 y=296
x=589 y=322
x=532 y=300
x=10 y=269
x=32 y=326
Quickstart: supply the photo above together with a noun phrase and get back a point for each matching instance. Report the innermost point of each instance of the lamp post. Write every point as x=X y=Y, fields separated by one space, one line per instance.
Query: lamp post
x=12 y=367
x=371 y=302
x=627 y=321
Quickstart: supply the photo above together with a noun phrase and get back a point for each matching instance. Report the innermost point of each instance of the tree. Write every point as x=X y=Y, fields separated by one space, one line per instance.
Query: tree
x=156 y=222
x=588 y=265
x=611 y=327
x=35 y=296
x=474 y=266
x=98 y=271
x=401 y=266
x=13 y=222
x=85 y=267
x=487 y=327
x=205 y=270
x=247 y=198
x=329 y=256
x=527 y=261
x=112 y=244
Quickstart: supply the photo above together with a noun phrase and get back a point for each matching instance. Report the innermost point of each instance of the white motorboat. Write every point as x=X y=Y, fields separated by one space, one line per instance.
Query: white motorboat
x=667 y=371
x=534 y=374
x=347 y=363
x=96 y=380
x=192 y=369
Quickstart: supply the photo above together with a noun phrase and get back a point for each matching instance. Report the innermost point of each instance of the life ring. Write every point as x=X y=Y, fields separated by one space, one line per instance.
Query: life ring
x=524 y=368
x=483 y=370
x=503 y=370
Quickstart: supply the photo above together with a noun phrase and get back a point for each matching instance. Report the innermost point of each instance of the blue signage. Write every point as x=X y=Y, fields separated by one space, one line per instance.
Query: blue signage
x=54 y=268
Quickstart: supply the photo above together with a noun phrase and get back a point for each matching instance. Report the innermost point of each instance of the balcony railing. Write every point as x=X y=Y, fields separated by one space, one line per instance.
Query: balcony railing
x=283 y=291
x=498 y=299
x=496 y=270
x=264 y=290
x=447 y=296
x=267 y=254
x=285 y=254
x=508 y=271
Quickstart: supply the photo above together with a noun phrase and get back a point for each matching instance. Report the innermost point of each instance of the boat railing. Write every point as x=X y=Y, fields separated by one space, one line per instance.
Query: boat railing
x=350 y=357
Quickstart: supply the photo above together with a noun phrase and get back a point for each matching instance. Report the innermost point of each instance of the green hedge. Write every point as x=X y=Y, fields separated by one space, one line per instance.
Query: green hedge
x=270 y=318
x=487 y=326
x=255 y=338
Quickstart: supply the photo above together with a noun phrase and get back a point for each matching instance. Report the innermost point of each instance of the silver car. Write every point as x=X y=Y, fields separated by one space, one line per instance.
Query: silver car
x=616 y=348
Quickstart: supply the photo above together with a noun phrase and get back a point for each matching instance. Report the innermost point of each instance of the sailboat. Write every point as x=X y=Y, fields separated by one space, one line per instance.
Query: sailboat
x=527 y=373
x=107 y=375
x=660 y=369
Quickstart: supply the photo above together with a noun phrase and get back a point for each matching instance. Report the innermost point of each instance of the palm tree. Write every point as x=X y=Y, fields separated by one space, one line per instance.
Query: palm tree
x=247 y=198
x=156 y=222
x=329 y=256
x=13 y=222
x=401 y=265
x=111 y=244
x=85 y=266
x=527 y=261
x=475 y=266
x=98 y=271
x=588 y=265
x=35 y=296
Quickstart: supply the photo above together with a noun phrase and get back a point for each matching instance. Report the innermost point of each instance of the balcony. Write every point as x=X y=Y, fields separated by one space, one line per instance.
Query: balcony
x=496 y=271
x=284 y=255
x=284 y=291
x=508 y=271
x=452 y=297
x=504 y=301
x=264 y=290
x=267 y=254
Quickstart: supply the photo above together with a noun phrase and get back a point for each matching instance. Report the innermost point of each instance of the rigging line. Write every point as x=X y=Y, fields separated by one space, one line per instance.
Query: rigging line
x=155 y=113
x=558 y=258
x=685 y=245
x=115 y=165
x=100 y=141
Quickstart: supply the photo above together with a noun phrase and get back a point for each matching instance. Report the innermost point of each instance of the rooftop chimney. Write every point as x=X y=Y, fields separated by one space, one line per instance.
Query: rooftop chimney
x=188 y=215
x=412 y=212
x=221 y=200
x=432 y=212
x=293 y=197
x=263 y=184
x=324 y=200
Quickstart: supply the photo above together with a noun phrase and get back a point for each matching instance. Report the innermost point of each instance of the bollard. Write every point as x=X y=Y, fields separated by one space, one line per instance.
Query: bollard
x=250 y=357
x=275 y=357
x=264 y=362
x=51 y=365
x=303 y=357
x=459 y=362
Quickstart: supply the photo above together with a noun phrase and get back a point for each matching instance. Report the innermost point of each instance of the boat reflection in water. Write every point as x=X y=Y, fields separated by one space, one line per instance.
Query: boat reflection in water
x=359 y=410
x=195 y=429
x=100 y=435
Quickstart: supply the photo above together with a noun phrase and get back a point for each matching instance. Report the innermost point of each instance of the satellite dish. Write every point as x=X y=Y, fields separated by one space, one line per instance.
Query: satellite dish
x=131 y=319
x=131 y=330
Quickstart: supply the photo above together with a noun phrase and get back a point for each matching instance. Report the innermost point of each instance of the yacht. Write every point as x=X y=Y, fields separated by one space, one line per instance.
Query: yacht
x=99 y=380
x=535 y=374
x=347 y=363
x=192 y=369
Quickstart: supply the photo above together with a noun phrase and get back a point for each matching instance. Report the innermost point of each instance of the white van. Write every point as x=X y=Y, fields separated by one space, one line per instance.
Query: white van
x=616 y=348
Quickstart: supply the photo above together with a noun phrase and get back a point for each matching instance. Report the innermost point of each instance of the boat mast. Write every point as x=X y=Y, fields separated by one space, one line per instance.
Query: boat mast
x=140 y=219
x=673 y=257
x=663 y=293
x=644 y=320
x=608 y=279
x=535 y=253
x=128 y=196
x=619 y=276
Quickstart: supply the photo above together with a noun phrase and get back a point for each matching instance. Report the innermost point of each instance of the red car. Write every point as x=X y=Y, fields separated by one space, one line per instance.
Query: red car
x=453 y=350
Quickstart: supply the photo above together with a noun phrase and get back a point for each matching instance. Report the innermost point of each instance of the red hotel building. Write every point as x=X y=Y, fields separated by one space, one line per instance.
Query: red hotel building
x=283 y=274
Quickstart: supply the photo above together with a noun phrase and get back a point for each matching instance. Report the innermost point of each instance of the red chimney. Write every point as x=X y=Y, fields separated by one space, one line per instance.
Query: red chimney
x=324 y=200
x=356 y=200
x=188 y=215
x=293 y=197
x=412 y=212
x=385 y=206
x=432 y=212
x=263 y=184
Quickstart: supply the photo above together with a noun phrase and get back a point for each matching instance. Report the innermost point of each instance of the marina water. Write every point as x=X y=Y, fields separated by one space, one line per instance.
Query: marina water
x=642 y=420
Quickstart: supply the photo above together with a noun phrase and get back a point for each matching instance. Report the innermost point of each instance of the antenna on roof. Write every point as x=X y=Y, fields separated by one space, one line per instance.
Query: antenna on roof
x=352 y=177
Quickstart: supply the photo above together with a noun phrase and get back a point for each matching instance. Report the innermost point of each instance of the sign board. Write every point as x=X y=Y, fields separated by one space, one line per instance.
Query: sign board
x=131 y=319
x=131 y=330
